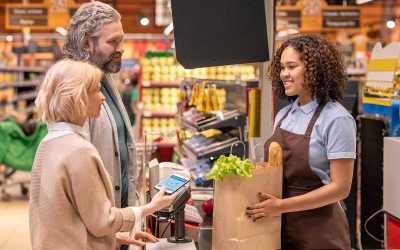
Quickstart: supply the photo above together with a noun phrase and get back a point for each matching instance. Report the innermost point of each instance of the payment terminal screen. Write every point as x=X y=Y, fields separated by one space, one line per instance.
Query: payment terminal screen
x=173 y=182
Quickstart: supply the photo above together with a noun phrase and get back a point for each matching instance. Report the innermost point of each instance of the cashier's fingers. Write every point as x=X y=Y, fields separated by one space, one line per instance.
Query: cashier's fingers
x=264 y=196
x=259 y=217
x=258 y=214
x=250 y=213
x=270 y=207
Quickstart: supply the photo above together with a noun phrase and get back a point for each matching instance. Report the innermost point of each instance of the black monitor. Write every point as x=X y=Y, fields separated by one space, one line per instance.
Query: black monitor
x=219 y=32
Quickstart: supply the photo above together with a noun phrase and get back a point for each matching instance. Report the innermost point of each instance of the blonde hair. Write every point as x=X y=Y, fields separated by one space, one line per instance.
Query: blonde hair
x=63 y=96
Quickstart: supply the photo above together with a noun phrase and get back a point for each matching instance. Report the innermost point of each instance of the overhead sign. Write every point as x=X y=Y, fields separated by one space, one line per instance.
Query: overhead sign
x=288 y=13
x=341 y=18
x=28 y=11
x=48 y=15
x=341 y=13
x=23 y=16
x=288 y=24
x=341 y=23
x=288 y=19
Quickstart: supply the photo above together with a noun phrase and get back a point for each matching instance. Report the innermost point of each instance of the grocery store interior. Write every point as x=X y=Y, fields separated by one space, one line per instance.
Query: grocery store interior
x=188 y=115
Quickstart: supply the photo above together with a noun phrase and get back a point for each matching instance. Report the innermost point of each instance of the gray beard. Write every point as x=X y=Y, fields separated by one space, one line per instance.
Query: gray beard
x=107 y=65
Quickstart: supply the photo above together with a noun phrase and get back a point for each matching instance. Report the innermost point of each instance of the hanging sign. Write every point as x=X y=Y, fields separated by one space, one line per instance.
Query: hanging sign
x=341 y=18
x=288 y=13
x=288 y=19
x=19 y=16
x=48 y=15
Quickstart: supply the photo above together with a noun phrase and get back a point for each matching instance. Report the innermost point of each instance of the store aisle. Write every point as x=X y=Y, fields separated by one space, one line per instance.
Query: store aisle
x=14 y=220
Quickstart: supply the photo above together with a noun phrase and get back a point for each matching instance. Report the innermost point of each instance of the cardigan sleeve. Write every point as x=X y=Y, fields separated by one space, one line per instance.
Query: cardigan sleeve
x=92 y=195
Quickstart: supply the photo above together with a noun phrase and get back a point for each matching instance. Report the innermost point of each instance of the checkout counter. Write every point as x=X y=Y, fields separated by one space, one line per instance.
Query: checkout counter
x=180 y=238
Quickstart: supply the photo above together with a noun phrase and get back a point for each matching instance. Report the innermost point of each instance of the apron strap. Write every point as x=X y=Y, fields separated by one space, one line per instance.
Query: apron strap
x=314 y=119
x=283 y=118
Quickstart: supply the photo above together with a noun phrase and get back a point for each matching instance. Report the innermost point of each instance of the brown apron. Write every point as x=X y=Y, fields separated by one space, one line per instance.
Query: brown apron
x=320 y=228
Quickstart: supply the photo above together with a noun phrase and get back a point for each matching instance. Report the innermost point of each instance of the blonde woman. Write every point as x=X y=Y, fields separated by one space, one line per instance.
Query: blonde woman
x=72 y=200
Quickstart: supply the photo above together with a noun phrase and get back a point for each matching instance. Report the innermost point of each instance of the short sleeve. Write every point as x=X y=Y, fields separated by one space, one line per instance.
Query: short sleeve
x=340 y=138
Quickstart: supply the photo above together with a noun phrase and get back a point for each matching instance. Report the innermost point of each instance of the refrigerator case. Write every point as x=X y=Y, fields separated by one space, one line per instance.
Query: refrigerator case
x=391 y=185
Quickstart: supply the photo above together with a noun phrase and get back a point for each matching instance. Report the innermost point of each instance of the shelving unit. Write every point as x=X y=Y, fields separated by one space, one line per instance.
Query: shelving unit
x=18 y=88
x=204 y=136
x=158 y=94
x=19 y=84
x=236 y=121
x=150 y=114
x=22 y=69
x=156 y=84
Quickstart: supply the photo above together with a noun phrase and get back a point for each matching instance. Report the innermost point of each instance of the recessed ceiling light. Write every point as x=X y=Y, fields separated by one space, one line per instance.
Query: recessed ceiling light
x=144 y=21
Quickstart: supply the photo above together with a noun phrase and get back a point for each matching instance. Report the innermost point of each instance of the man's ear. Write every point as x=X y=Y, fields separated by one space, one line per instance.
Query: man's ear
x=88 y=44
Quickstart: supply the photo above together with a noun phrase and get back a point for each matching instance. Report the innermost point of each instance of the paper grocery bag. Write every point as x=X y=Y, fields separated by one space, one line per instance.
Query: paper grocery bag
x=232 y=229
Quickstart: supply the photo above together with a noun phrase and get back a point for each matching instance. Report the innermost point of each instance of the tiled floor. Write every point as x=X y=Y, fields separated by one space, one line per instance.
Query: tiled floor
x=14 y=221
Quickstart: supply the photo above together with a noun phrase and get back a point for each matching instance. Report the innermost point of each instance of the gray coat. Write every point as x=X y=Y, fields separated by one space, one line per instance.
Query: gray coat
x=103 y=134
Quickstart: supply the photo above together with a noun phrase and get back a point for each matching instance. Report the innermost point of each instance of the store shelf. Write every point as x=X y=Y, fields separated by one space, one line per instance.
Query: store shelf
x=165 y=144
x=213 y=152
x=22 y=69
x=157 y=84
x=18 y=84
x=356 y=72
x=149 y=114
x=179 y=151
x=239 y=120
x=25 y=96
x=251 y=83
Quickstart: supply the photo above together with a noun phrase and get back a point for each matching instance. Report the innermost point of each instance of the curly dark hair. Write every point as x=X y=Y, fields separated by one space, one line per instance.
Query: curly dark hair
x=324 y=73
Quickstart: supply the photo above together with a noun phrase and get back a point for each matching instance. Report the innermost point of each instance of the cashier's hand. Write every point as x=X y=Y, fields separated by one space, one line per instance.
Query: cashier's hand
x=269 y=206
x=139 y=239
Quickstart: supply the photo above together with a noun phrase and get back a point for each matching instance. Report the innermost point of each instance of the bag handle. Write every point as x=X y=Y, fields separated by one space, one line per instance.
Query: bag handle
x=254 y=150
x=244 y=147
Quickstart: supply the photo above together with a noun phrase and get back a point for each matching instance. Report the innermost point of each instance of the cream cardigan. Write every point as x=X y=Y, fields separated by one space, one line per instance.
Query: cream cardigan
x=71 y=203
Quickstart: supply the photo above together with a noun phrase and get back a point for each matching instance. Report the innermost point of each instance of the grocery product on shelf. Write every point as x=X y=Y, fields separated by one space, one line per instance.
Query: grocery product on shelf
x=163 y=125
x=163 y=67
x=21 y=71
x=155 y=99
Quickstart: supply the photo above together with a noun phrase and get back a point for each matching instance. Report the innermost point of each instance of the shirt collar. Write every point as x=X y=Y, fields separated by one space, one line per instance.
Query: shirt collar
x=65 y=126
x=306 y=109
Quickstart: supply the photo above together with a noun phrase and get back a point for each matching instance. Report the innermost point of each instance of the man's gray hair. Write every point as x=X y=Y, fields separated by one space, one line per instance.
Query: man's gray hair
x=87 y=22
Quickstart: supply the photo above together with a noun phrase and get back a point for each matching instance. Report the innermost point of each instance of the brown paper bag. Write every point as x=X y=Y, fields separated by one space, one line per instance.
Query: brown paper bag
x=232 y=229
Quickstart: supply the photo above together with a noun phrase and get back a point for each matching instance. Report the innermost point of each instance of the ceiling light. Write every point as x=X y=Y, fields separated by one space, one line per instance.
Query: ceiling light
x=363 y=1
x=144 y=21
x=390 y=24
x=9 y=38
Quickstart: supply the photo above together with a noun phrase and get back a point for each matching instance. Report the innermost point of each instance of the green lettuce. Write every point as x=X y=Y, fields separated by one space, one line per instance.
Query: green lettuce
x=231 y=165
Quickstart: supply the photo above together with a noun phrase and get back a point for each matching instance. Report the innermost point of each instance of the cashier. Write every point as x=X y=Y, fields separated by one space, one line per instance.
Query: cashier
x=318 y=139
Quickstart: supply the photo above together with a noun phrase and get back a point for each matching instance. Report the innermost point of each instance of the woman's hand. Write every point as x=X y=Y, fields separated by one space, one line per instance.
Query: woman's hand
x=269 y=206
x=159 y=201
x=138 y=240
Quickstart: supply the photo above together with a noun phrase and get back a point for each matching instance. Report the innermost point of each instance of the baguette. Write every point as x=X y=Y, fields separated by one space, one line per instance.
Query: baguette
x=275 y=155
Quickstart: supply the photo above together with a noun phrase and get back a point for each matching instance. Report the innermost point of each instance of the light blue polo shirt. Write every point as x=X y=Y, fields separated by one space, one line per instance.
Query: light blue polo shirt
x=333 y=135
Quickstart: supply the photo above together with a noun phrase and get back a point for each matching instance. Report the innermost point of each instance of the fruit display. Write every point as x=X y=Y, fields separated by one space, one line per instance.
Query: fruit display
x=166 y=69
x=156 y=99
x=163 y=125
